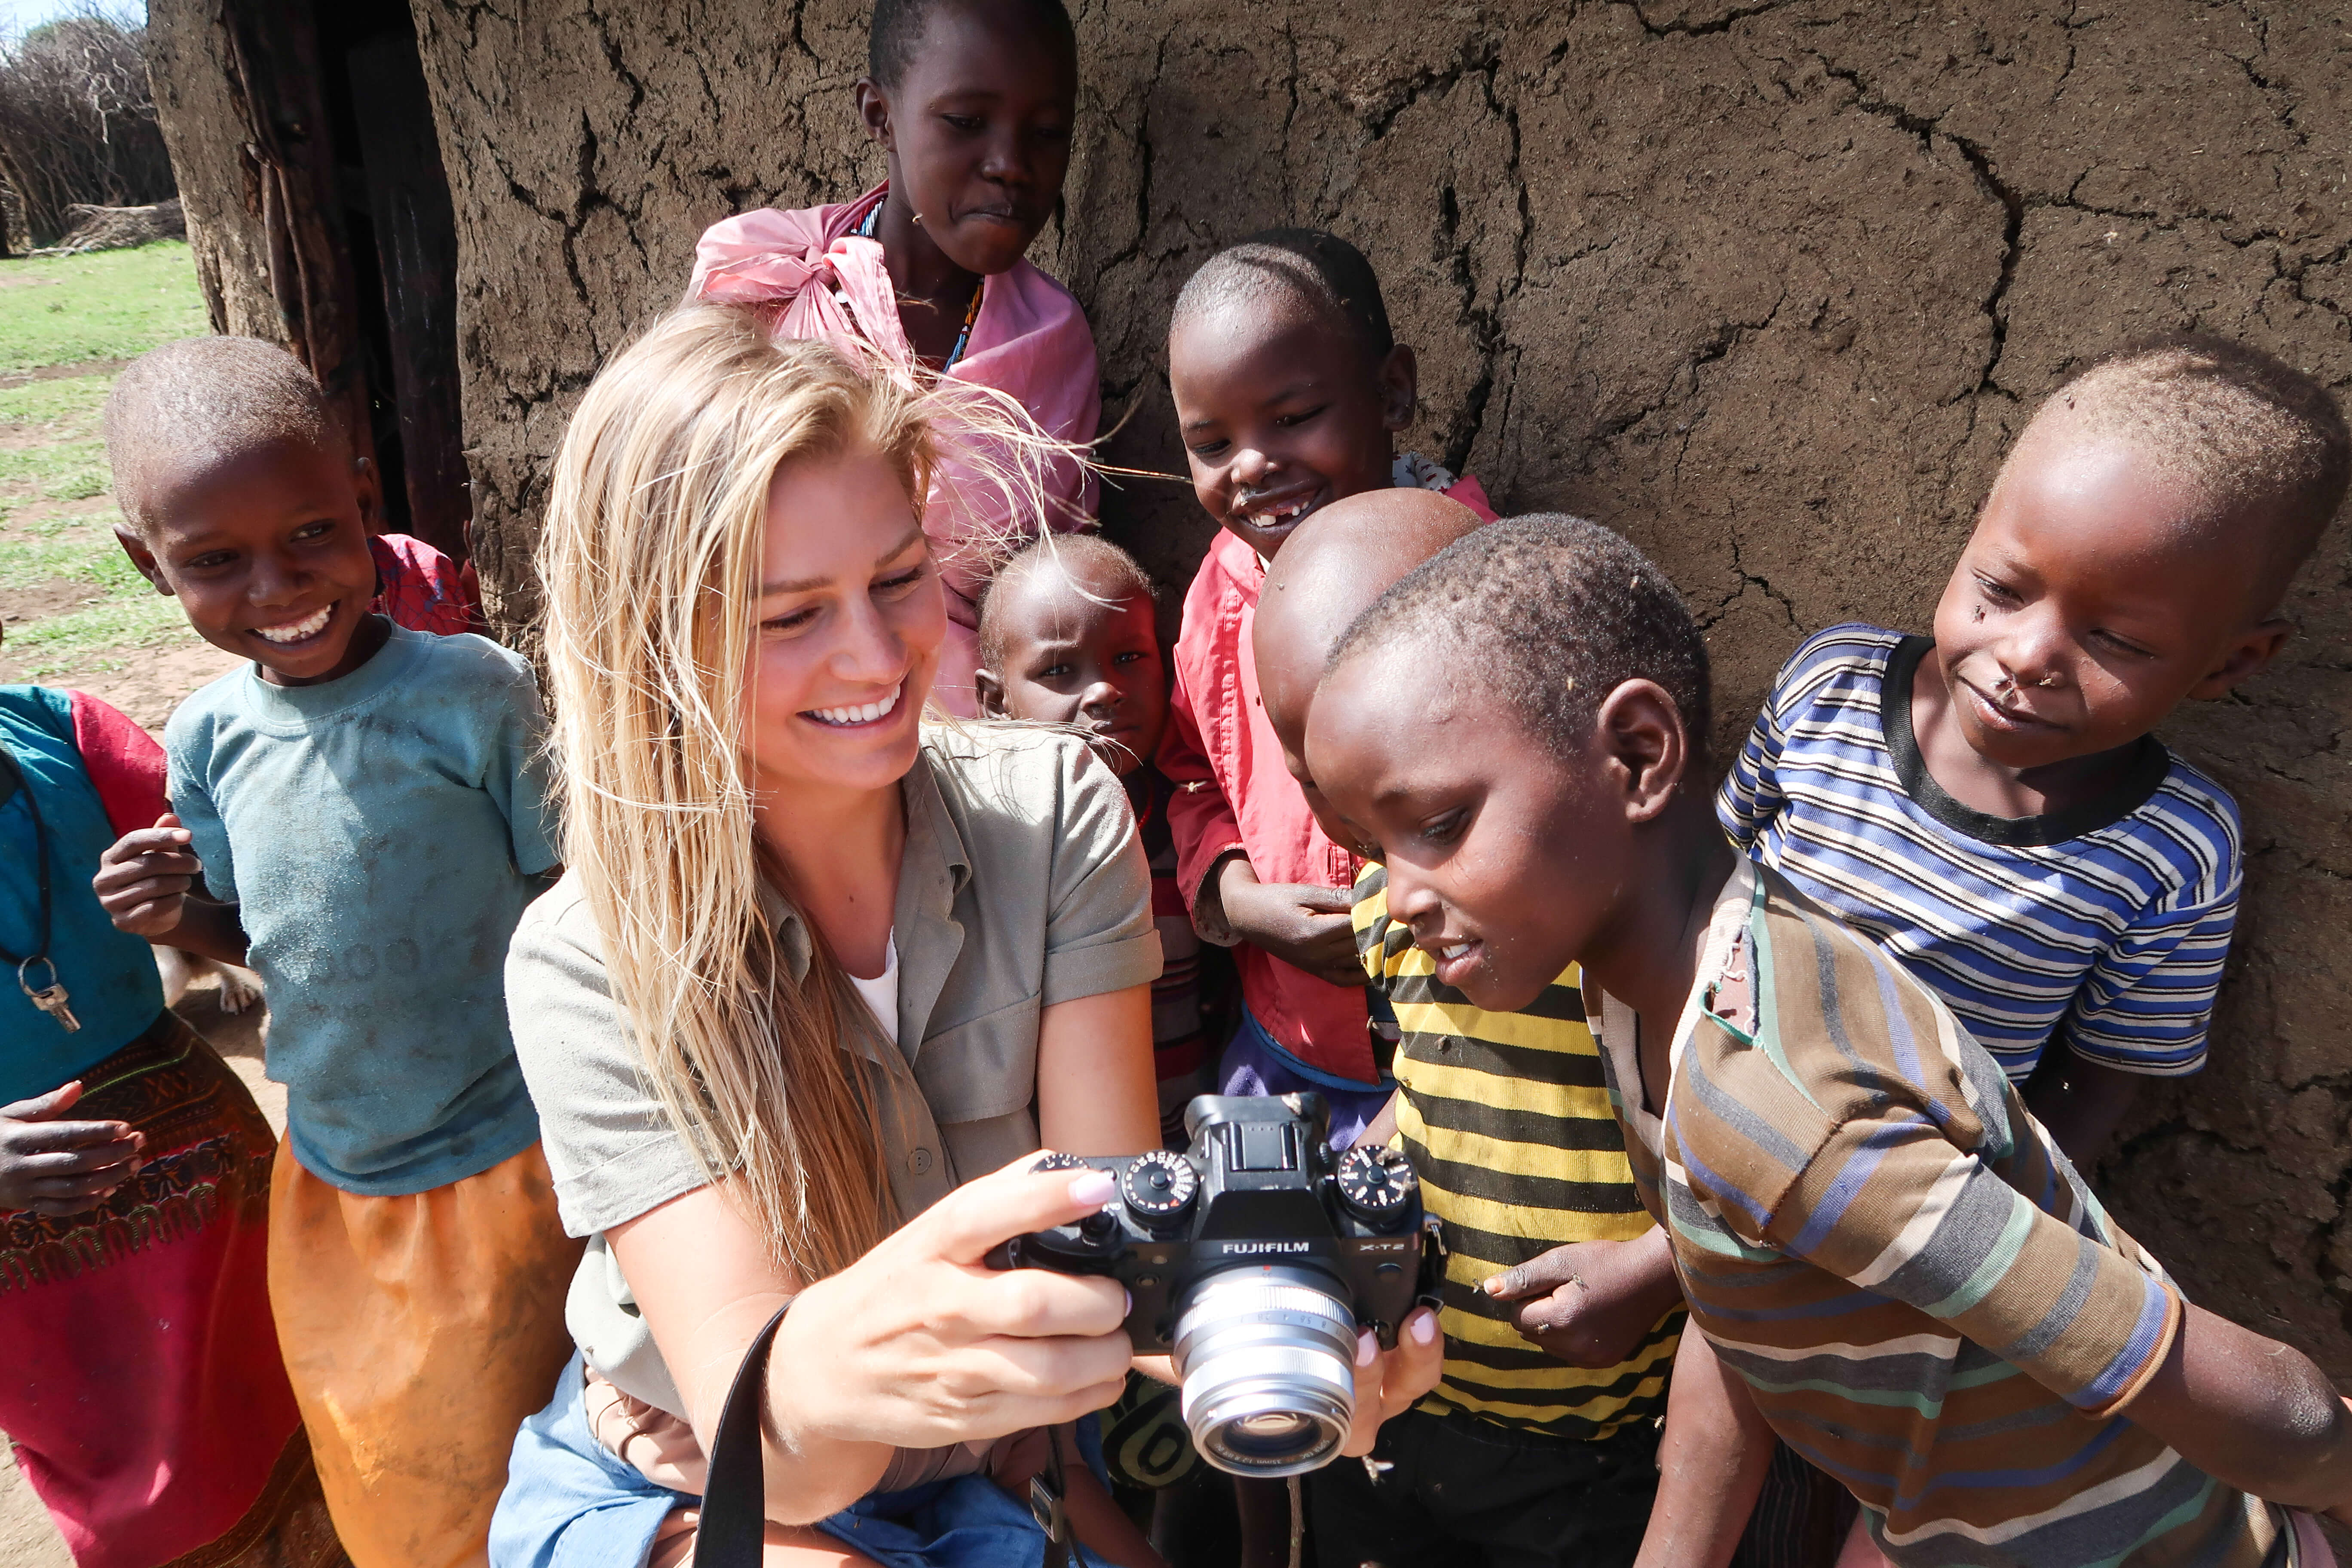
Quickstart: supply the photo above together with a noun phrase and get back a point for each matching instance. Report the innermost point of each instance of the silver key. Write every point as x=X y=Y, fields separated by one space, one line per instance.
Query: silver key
x=51 y=999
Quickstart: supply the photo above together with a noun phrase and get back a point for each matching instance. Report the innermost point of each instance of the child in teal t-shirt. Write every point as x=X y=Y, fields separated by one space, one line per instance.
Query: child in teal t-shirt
x=380 y=835
x=364 y=806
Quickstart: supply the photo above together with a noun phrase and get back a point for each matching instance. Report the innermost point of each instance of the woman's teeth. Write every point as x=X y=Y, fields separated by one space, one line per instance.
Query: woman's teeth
x=862 y=715
x=1456 y=951
x=296 y=631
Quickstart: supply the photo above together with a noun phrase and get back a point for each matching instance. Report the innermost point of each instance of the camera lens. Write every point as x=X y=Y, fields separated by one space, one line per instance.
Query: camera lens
x=1267 y=1357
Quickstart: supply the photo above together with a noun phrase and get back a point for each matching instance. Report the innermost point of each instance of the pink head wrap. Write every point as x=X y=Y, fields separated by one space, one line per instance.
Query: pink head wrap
x=1030 y=342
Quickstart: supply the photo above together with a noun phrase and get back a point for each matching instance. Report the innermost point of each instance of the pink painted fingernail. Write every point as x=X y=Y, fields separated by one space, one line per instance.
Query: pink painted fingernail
x=1424 y=1328
x=1367 y=1348
x=1093 y=1188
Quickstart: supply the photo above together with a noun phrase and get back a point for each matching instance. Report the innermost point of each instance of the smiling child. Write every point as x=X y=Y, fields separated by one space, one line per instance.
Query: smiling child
x=973 y=103
x=1289 y=388
x=364 y=807
x=1989 y=803
x=1890 y=1263
x=1068 y=636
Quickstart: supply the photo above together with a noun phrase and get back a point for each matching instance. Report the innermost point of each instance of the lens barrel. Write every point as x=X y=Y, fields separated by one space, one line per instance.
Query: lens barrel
x=1266 y=1353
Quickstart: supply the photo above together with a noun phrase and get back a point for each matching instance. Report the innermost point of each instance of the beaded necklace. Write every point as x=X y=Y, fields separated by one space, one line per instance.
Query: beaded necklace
x=972 y=312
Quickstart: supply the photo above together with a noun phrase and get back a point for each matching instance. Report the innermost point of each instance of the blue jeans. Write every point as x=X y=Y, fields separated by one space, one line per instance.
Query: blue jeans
x=1256 y=1063
x=571 y=1503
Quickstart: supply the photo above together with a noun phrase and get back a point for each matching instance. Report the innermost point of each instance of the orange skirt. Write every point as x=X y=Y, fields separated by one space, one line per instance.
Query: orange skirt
x=418 y=1333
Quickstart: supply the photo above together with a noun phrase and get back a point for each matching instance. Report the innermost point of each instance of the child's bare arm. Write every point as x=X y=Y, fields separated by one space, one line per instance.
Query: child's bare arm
x=1711 y=1463
x=146 y=883
x=1380 y=1128
x=2082 y=1102
x=211 y=929
x=2250 y=1412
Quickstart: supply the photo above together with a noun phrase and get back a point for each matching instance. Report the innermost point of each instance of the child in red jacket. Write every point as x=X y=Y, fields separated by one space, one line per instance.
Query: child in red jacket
x=1289 y=391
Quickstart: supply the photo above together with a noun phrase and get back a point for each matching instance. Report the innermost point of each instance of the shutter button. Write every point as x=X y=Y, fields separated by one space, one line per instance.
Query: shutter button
x=920 y=1161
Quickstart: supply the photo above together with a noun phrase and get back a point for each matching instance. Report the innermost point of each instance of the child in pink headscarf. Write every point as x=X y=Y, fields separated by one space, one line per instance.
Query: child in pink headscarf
x=972 y=100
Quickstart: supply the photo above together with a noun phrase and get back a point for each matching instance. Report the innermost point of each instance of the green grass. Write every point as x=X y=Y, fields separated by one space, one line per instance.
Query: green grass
x=70 y=310
x=112 y=304
x=54 y=464
x=59 y=645
x=66 y=408
x=79 y=548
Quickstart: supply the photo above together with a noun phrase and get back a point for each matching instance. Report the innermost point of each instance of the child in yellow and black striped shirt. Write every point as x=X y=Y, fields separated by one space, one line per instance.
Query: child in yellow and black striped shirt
x=1562 y=1313
x=1541 y=1444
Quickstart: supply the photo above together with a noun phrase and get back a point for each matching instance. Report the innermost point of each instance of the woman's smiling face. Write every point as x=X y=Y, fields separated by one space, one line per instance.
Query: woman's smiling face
x=850 y=618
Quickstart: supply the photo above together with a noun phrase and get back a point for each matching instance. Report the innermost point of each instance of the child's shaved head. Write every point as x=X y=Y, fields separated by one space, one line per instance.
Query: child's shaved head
x=1340 y=560
x=1550 y=614
x=2263 y=443
x=1306 y=263
x=1091 y=562
x=192 y=403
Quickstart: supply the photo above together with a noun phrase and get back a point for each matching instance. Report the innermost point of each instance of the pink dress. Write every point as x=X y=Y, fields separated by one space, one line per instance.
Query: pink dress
x=1030 y=340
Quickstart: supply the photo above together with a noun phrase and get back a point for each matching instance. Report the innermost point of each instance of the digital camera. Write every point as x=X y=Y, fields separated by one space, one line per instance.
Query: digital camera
x=1257 y=1256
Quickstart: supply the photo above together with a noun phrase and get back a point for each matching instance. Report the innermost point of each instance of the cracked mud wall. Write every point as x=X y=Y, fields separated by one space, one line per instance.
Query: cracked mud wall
x=1767 y=286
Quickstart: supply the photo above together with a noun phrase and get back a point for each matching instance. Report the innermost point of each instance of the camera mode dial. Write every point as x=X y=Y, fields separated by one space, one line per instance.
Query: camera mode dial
x=1375 y=1182
x=1058 y=1161
x=1158 y=1186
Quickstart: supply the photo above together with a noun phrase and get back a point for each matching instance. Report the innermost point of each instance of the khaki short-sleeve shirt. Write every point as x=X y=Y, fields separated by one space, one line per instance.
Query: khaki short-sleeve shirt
x=1023 y=885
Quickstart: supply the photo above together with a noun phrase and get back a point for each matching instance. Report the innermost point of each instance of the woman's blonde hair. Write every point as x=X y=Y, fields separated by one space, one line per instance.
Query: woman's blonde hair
x=651 y=564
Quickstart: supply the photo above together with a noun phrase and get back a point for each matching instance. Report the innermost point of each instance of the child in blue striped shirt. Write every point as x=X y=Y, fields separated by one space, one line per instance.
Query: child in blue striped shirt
x=1989 y=804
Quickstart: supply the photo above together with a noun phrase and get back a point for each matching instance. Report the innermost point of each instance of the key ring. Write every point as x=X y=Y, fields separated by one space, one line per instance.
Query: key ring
x=26 y=986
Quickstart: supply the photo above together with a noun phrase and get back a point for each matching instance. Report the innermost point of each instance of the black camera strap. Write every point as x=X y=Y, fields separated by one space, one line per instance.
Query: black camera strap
x=734 y=1525
x=735 y=1498
x=12 y=782
x=1047 y=1489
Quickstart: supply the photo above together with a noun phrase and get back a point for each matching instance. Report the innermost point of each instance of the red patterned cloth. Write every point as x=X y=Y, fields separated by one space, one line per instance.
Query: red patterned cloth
x=145 y=1396
x=422 y=589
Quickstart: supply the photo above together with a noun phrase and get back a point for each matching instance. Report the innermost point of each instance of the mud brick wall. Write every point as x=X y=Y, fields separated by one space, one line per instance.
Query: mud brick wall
x=1767 y=286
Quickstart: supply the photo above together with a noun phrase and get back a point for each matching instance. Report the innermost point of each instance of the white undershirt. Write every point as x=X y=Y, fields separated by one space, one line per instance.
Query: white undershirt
x=881 y=992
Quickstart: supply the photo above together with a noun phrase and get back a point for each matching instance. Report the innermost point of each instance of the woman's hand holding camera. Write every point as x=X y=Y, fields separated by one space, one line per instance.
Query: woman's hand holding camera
x=919 y=1344
x=1389 y=1383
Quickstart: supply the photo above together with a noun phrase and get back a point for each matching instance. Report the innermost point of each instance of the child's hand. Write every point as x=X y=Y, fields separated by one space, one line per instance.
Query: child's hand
x=1297 y=923
x=59 y=1168
x=1590 y=1303
x=142 y=882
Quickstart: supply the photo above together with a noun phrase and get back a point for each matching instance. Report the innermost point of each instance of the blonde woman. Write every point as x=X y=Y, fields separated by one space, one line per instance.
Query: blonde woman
x=814 y=967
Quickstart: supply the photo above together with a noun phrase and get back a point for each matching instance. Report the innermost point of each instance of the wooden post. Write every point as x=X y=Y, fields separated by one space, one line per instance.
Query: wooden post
x=238 y=88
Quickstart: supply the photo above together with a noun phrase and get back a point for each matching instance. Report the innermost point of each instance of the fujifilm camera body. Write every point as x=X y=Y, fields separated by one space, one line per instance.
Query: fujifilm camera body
x=1255 y=1257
